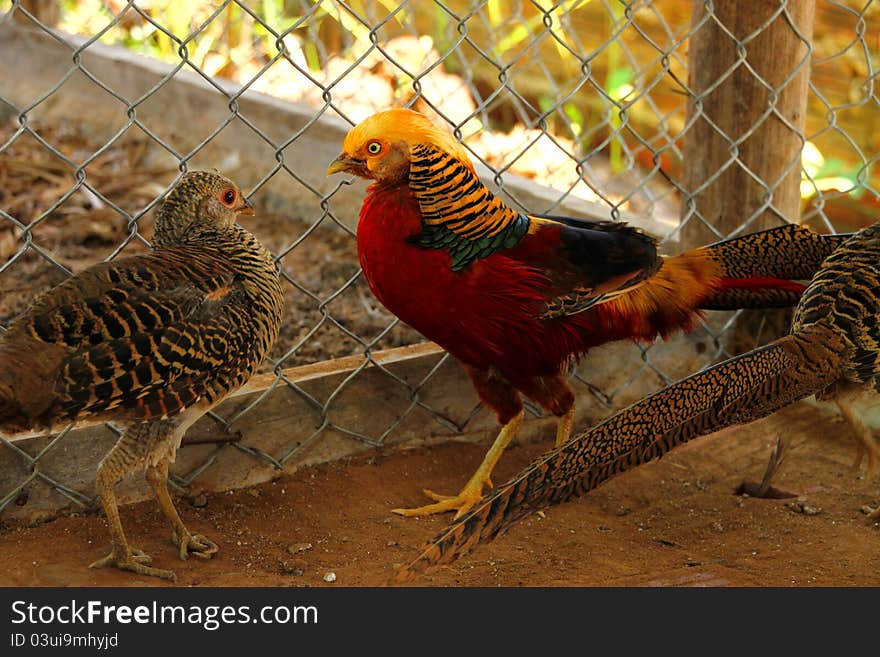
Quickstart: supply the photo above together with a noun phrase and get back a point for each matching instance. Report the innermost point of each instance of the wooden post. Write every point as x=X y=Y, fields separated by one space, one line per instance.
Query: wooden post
x=735 y=102
x=48 y=12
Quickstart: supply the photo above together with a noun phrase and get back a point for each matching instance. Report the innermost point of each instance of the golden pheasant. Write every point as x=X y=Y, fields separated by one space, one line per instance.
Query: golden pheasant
x=516 y=297
x=152 y=341
x=832 y=351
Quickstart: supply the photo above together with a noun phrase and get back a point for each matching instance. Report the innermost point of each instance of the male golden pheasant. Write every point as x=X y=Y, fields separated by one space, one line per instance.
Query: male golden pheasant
x=832 y=351
x=516 y=297
x=152 y=341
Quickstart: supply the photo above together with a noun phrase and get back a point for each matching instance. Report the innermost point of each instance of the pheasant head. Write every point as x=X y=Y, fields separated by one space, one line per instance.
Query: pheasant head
x=380 y=147
x=202 y=202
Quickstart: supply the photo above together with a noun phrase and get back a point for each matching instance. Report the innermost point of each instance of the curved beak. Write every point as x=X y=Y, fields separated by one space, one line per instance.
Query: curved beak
x=344 y=162
x=245 y=207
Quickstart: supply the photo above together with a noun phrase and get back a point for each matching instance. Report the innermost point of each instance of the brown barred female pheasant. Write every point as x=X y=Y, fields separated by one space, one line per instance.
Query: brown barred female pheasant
x=833 y=351
x=151 y=341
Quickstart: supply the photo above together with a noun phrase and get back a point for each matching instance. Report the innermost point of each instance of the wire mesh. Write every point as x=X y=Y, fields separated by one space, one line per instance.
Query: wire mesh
x=589 y=99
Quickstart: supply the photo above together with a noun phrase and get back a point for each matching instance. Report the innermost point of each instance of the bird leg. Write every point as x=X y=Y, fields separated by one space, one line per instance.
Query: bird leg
x=125 y=455
x=563 y=427
x=473 y=489
x=866 y=443
x=200 y=546
x=555 y=395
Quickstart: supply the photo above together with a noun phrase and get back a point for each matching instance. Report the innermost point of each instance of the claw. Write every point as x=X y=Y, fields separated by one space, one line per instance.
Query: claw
x=436 y=496
x=135 y=561
x=195 y=544
x=460 y=503
x=473 y=489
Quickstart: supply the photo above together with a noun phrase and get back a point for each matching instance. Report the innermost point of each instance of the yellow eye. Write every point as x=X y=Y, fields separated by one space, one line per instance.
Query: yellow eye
x=374 y=147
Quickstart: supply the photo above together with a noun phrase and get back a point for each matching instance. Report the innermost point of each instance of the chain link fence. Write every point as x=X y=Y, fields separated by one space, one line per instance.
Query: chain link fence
x=612 y=109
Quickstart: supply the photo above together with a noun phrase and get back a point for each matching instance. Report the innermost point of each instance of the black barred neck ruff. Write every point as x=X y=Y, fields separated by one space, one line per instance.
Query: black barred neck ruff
x=451 y=195
x=254 y=262
x=234 y=242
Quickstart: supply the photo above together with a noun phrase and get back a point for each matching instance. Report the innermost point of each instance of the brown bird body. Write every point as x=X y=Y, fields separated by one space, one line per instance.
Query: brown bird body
x=833 y=351
x=151 y=341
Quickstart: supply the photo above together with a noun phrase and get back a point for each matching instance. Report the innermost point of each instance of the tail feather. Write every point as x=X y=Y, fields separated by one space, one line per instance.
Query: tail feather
x=761 y=270
x=26 y=383
x=736 y=391
x=11 y=414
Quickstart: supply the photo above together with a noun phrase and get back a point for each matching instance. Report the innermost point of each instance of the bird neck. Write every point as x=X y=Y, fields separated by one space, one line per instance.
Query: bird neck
x=249 y=253
x=458 y=212
x=450 y=194
x=251 y=260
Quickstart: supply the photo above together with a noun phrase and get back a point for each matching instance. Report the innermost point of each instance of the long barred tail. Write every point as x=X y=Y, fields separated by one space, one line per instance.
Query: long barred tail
x=736 y=391
x=761 y=270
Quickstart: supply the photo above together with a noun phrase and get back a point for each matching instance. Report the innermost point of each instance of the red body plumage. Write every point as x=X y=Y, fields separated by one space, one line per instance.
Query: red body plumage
x=490 y=314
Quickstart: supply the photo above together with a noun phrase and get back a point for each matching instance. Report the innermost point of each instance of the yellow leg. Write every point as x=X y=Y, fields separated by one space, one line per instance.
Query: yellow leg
x=196 y=544
x=563 y=428
x=473 y=489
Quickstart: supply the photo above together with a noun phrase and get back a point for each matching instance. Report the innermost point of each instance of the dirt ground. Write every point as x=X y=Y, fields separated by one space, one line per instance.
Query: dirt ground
x=675 y=522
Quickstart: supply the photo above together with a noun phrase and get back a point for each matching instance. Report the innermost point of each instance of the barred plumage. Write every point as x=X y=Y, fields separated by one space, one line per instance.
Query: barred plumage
x=833 y=351
x=152 y=341
x=451 y=194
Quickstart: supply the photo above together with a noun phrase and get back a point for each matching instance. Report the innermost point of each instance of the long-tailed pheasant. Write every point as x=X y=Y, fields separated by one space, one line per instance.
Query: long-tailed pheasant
x=150 y=341
x=516 y=297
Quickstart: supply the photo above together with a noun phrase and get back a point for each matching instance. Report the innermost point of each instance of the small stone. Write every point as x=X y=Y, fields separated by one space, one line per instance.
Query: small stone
x=604 y=528
x=253 y=492
x=200 y=500
x=623 y=511
x=289 y=568
x=391 y=544
x=330 y=577
x=717 y=526
x=867 y=510
x=299 y=547
x=800 y=506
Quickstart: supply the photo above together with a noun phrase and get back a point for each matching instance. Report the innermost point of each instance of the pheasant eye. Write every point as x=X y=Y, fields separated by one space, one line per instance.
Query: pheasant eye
x=374 y=147
x=229 y=197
